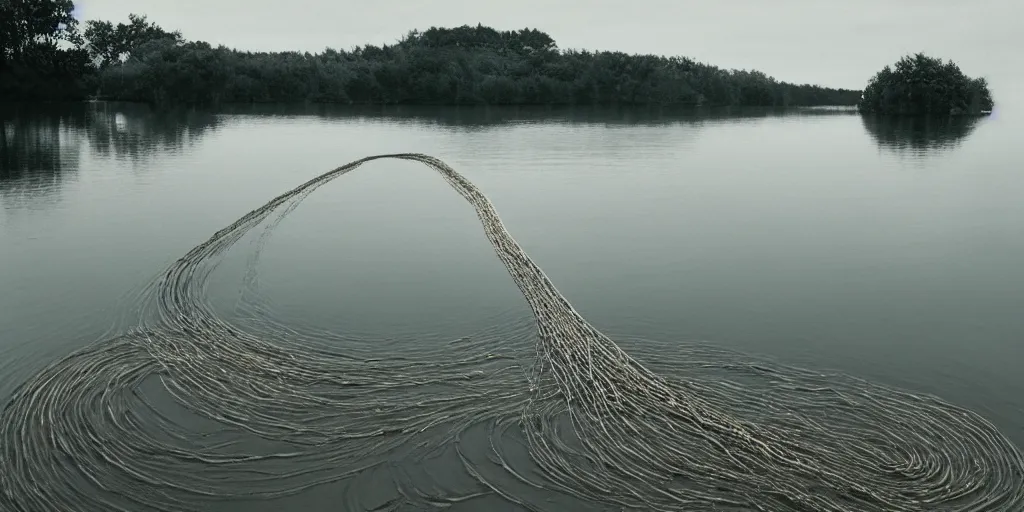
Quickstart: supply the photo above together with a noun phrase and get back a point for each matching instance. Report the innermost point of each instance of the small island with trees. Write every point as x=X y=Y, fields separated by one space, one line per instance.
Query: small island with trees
x=923 y=85
x=44 y=56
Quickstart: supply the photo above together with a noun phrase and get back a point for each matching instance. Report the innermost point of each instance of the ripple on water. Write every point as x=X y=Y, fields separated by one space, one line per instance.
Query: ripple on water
x=188 y=410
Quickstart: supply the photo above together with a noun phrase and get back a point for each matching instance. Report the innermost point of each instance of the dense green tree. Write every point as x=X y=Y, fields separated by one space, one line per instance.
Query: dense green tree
x=922 y=85
x=110 y=44
x=462 y=65
x=140 y=61
x=40 y=53
x=26 y=25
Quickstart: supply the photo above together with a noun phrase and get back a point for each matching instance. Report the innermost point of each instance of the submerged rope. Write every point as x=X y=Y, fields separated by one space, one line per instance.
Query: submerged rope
x=189 y=409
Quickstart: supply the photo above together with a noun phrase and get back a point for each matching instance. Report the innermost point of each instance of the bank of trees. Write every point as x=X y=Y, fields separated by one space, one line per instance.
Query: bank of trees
x=466 y=65
x=922 y=85
x=139 y=61
x=41 y=51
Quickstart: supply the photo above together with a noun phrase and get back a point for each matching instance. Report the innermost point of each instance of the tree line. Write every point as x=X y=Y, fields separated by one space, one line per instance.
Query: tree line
x=51 y=57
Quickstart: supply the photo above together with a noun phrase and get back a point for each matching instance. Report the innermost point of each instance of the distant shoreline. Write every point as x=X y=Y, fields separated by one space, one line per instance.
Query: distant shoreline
x=140 y=61
x=421 y=107
x=673 y=106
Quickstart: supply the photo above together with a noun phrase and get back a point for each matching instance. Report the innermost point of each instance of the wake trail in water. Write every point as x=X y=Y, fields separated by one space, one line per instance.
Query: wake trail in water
x=188 y=409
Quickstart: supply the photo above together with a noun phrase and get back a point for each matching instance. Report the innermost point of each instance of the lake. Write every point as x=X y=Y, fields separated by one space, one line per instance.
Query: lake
x=889 y=250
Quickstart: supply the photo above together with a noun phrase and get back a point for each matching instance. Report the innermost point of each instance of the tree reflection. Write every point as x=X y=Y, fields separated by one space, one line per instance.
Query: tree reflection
x=919 y=135
x=478 y=117
x=41 y=145
x=134 y=131
x=38 y=150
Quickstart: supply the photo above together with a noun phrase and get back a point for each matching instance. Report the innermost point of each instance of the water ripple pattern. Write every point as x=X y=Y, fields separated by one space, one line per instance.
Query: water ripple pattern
x=186 y=410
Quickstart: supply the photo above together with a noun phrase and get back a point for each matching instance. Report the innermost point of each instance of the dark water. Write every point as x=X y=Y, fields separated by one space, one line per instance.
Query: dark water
x=887 y=249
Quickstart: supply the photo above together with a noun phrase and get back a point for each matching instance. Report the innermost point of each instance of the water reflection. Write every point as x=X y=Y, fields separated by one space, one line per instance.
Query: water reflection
x=38 y=151
x=41 y=146
x=132 y=131
x=919 y=136
x=475 y=117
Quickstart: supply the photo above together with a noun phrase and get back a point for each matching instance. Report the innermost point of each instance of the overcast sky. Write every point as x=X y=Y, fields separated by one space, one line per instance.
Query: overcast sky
x=829 y=42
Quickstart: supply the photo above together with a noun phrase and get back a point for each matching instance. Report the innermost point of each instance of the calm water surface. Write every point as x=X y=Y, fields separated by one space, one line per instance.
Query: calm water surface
x=889 y=250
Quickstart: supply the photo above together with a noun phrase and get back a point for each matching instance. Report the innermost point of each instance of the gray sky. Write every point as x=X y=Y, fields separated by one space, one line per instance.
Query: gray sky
x=828 y=42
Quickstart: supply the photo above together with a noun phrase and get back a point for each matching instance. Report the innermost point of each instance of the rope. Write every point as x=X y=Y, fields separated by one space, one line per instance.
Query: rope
x=188 y=409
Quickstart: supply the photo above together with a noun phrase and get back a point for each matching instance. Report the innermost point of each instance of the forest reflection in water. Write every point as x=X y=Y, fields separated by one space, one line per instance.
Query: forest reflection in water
x=920 y=135
x=42 y=143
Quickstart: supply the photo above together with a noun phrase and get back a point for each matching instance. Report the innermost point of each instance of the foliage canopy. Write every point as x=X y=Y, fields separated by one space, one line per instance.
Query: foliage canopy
x=452 y=66
x=140 y=61
x=923 y=85
x=40 y=51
